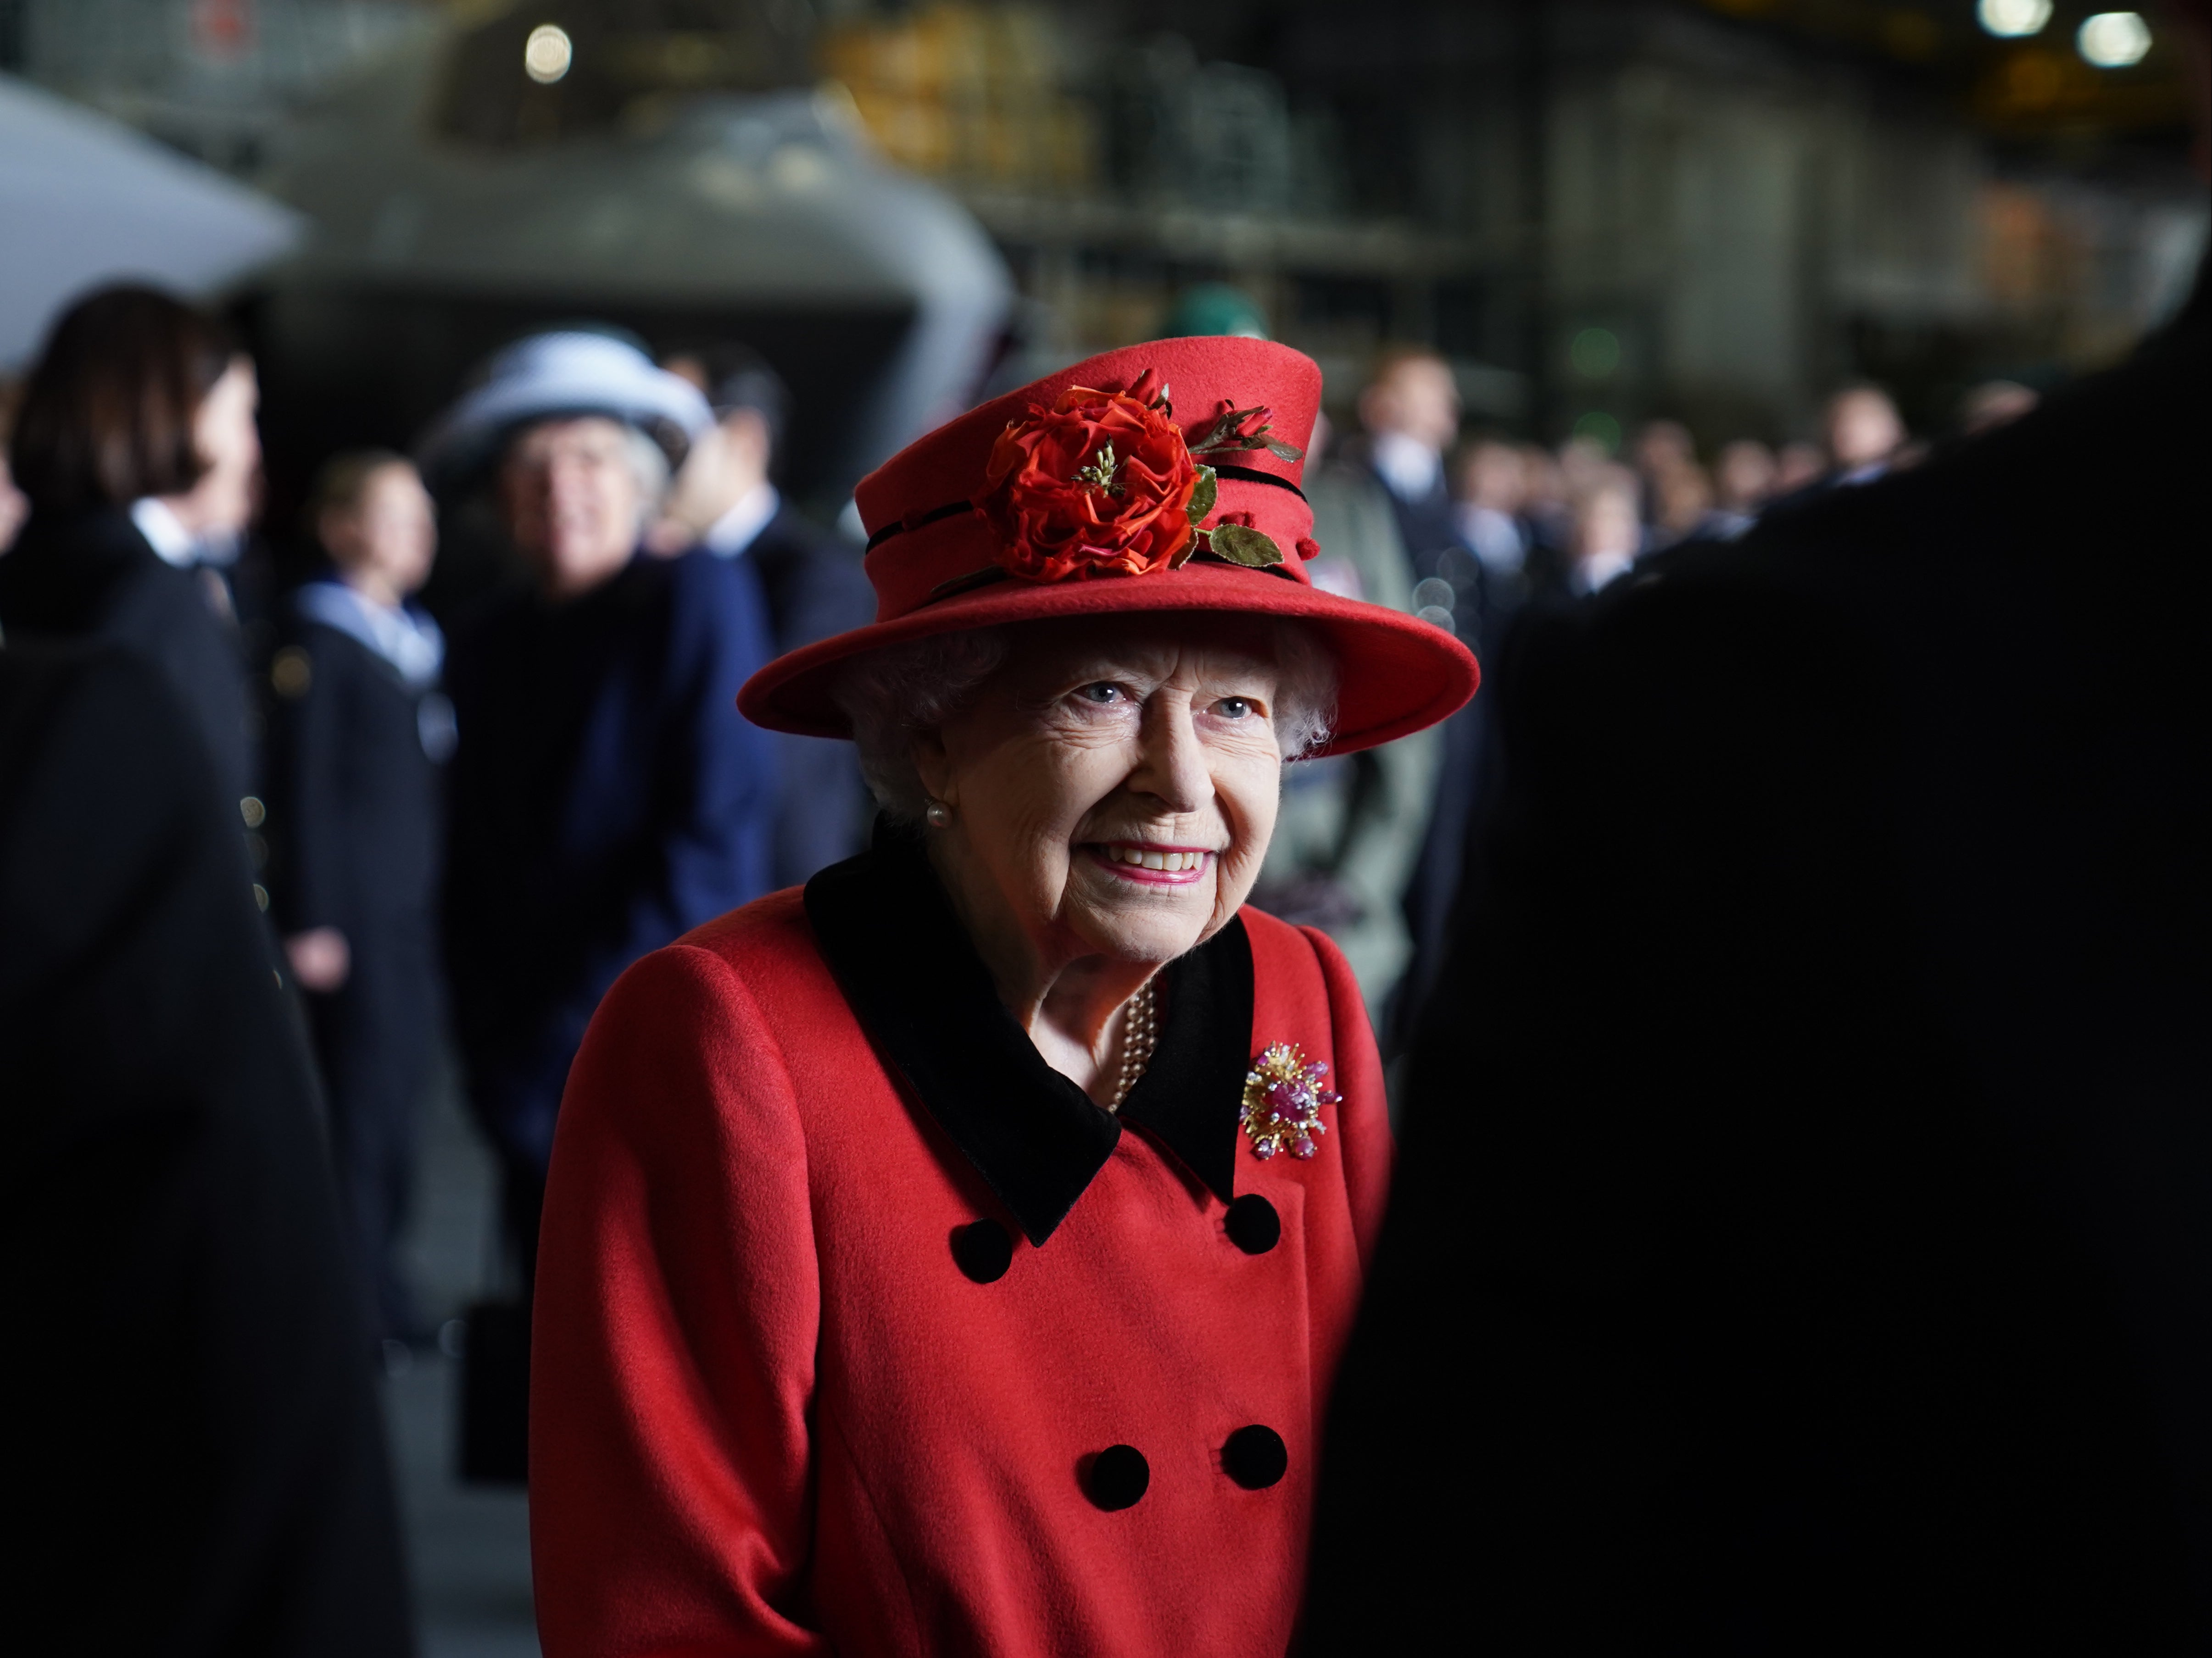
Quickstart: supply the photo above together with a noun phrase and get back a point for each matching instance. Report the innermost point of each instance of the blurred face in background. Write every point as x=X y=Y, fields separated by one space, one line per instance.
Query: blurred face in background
x=222 y=502
x=1863 y=428
x=575 y=503
x=1583 y=466
x=1606 y=522
x=1492 y=476
x=1685 y=496
x=1415 y=398
x=1543 y=490
x=727 y=462
x=384 y=543
x=1664 y=446
x=1745 y=475
x=1797 y=466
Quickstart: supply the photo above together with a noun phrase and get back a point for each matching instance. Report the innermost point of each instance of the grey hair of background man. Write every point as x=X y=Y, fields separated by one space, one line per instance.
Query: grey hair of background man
x=893 y=694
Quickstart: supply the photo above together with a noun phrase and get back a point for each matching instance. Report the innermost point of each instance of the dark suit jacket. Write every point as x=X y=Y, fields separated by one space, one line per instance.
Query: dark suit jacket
x=1802 y=1239
x=606 y=797
x=815 y=587
x=197 y=1465
x=355 y=792
x=91 y=576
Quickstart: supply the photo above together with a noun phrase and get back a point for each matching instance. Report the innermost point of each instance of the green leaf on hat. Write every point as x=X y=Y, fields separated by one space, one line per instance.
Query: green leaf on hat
x=1201 y=498
x=1282 y=451
x=1248 y=547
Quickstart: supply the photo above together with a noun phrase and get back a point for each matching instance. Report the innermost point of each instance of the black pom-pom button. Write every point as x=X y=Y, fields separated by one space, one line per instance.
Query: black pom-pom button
x=1256 y=1457
x=984 y=1251
x=1253 y=1225
x=1119 y=1476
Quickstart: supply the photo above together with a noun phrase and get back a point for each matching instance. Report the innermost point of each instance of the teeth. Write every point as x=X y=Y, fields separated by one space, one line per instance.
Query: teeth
x=1167 y=862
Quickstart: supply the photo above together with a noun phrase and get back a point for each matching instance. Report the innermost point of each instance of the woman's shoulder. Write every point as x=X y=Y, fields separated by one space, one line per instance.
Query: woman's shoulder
x=67 y=574
x=767 y=947
x=1279 y=946
x=1300 y=965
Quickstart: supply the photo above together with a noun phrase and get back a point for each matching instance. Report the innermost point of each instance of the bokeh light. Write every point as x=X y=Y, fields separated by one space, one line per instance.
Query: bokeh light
x=1595 y=353
x=2011 y=20
x=1600 y=428
x=547 y=53
x=2114 y=40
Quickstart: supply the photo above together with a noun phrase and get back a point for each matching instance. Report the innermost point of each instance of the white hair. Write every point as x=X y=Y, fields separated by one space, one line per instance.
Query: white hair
x=648 y=461
x=892 y=694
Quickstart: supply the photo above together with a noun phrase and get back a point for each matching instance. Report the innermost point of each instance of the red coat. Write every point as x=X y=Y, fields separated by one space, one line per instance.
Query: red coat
x=836 y=1310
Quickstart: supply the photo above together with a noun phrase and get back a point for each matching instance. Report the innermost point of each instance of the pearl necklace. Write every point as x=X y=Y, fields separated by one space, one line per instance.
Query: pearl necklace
x=1140 y=1035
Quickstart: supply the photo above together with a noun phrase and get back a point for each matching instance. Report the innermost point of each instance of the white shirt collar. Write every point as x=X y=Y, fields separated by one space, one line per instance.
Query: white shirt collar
x=1412 y=469
x=730 y=535
x=405 y=638
x=165 y=532
x=1594 y=572
x=1496 y=538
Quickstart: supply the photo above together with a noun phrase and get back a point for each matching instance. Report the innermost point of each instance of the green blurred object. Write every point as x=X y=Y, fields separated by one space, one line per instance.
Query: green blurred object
x=1215 y=308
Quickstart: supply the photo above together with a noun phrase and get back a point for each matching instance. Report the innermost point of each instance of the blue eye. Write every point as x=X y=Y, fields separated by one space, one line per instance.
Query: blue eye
x=1103 y=692
x=1232 y=707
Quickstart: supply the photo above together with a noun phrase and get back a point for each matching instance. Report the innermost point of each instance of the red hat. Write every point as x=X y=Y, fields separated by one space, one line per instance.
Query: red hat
x=1161 y=477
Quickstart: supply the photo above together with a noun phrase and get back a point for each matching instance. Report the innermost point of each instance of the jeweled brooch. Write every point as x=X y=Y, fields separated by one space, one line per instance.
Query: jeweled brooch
x=1283 y=1098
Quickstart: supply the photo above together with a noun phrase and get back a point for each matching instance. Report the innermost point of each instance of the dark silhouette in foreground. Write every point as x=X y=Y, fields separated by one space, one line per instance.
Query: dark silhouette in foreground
x=1803 y=1235
x=197 y=1465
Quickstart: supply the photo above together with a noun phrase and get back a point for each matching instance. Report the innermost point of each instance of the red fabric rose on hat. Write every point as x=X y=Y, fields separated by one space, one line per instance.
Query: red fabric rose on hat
x=1098 y=484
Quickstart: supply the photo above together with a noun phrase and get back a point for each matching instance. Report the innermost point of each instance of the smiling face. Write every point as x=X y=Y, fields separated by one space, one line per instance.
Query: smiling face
x=1112 y=786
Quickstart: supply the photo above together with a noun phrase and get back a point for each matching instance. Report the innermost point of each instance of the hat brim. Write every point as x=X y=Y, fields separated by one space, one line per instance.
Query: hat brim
x=1396 y=673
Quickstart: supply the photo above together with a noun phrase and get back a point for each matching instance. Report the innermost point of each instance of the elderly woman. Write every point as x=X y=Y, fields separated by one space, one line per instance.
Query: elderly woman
x=952 y=1258
x=605 y=797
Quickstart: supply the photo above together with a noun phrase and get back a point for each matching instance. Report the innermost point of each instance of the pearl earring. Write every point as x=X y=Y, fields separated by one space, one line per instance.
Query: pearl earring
x=938 y=814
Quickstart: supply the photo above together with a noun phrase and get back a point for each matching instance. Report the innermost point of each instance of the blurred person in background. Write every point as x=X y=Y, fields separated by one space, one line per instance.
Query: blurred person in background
x=199 y=1464
x=725 y=500
x=1994 y=404
x=1744 y=480
x=1544 y=510
x=1797 y=467
x=360 y=737
x=605 y=796
x=1493 y=492
x=1410 y=413
x=1607 y=537
x=1850 y=1277
x=136 y=447
x=1663 y=450
x=1350 y=826
x=1682 y=507
x=1864 y=434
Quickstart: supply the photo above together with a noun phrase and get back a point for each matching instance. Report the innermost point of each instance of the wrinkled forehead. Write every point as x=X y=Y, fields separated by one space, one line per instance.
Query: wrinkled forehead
x=1154 y=643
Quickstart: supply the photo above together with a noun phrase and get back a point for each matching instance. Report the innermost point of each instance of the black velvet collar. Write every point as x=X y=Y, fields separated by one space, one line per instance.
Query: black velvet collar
x=923 y=994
